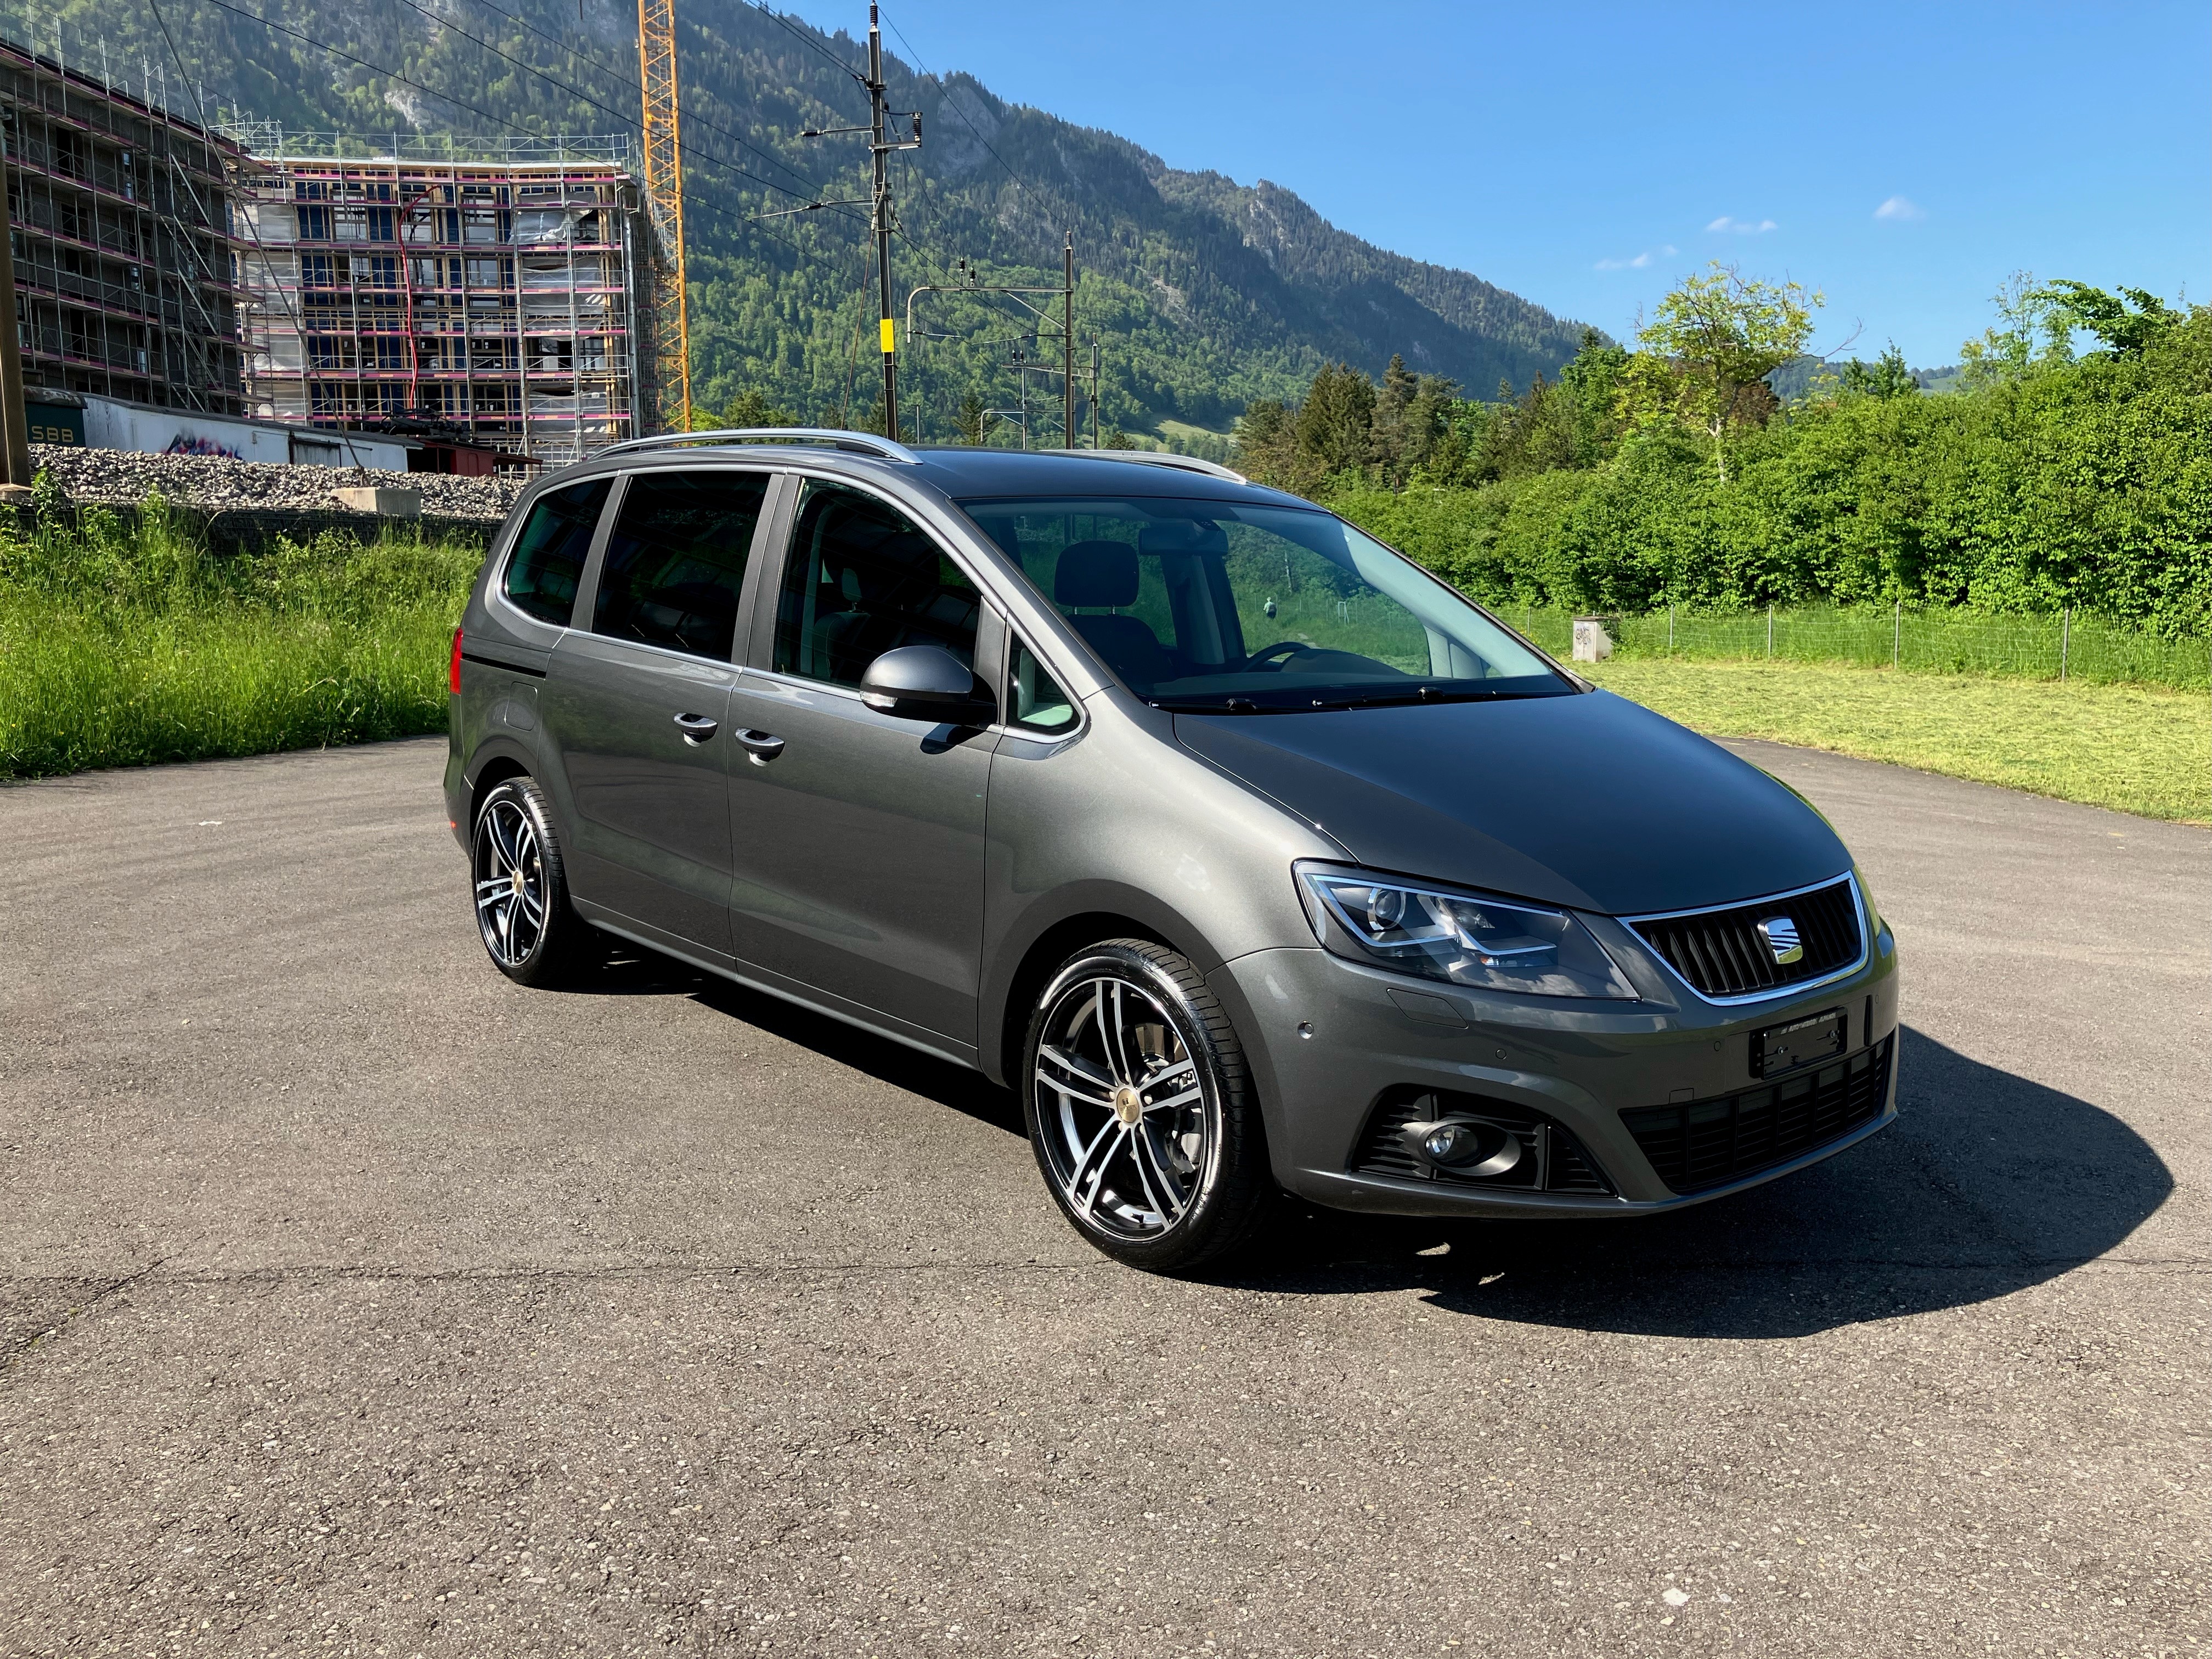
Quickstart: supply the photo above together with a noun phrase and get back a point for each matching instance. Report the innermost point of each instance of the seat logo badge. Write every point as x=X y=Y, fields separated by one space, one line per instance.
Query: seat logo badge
x=1780 y=936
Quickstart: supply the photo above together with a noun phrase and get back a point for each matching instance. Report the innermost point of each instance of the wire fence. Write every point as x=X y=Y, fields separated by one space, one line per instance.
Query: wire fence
x=2072 y=645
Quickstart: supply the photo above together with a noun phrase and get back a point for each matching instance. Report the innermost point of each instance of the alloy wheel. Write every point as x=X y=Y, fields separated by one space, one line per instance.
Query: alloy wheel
x=510 y=883
x=1127 y=1124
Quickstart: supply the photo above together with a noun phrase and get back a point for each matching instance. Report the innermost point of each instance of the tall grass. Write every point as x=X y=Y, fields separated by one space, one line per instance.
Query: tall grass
x=2084 y=646
x=125 y=644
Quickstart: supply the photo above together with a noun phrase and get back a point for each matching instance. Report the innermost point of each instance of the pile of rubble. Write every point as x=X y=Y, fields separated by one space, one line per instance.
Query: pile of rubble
x=214 y=483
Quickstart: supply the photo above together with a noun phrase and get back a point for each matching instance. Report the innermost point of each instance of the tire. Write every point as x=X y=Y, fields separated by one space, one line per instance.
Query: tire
x=1140 y=1108
x=531 y=932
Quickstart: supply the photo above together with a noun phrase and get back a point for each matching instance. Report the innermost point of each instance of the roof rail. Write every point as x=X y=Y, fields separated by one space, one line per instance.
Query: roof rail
x=864 y=443
x=1163 y=457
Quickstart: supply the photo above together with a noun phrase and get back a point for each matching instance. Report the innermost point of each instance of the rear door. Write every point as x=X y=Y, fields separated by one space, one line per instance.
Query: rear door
x=859 y=862
x=637 y=702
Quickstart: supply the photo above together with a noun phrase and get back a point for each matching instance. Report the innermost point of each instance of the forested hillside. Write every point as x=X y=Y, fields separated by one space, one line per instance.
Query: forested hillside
x=1204 y=295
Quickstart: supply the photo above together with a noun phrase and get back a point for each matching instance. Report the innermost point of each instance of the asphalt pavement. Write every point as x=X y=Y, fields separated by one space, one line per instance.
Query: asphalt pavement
x=358 y=1301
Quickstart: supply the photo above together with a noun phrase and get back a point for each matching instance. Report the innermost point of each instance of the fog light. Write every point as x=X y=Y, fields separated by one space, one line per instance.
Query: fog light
x=1448 y=1143
x=1465 y=1146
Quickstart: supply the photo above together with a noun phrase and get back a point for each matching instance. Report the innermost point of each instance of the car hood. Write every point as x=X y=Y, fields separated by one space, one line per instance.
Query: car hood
x=1588 y=801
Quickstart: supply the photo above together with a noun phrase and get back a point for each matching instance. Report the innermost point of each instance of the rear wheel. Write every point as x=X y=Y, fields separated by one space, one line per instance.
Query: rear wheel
x=531 y=932
x=1140 y=1108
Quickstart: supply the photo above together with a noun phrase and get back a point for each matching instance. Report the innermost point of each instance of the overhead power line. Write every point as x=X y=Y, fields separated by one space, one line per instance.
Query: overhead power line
x=957 y=109
x=578 y=92
x=498 y=122
x=808 y=40
x=691 y=115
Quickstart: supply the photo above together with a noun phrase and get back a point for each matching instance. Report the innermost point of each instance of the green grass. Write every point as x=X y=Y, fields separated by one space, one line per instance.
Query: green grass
x=124 y=645
x=2089 y=647
x=120 y=646
x=2135 y=749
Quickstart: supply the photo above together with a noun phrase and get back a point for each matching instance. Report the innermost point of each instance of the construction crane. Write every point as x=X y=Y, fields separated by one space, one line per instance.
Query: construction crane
x=664 y=195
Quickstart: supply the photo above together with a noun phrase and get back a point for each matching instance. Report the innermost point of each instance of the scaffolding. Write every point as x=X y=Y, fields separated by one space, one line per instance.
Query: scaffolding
x=486 y=285
x=120 y=214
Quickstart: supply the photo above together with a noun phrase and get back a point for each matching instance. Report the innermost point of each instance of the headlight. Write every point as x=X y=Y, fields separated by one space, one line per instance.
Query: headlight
x=1463 y=939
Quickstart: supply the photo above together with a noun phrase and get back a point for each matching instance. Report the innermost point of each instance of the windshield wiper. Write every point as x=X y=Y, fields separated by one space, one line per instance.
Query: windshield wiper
x=1327 y=703
x=1222 y=706
x=1424 y=694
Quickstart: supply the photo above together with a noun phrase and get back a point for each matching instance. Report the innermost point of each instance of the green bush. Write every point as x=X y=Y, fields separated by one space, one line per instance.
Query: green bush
x=2083 y=484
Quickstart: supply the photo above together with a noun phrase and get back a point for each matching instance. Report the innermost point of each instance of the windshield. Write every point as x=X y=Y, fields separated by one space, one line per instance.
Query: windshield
x=1230 y=607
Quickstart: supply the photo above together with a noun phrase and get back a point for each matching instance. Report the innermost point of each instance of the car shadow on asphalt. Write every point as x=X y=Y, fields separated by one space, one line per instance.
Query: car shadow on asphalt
x=641 y=973
x=1986 y=1183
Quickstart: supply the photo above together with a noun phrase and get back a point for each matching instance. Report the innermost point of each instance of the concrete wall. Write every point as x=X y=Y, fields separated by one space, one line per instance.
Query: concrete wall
x=112 y=425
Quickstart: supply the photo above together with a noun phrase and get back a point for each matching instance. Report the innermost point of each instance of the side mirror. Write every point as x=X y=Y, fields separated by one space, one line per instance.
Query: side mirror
x=926 y=683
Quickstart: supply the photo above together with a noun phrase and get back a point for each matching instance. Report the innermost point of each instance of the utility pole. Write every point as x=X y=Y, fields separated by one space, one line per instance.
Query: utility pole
x=879 y=221
x=1067 y=341
x=1095 y=440
x=882 y=220
x=969 y=281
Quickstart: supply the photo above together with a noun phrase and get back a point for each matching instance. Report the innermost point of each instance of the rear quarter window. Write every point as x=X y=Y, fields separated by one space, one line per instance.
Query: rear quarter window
x=548 y=560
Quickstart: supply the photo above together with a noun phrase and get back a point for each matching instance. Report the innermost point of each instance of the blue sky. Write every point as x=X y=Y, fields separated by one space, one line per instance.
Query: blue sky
x=1905 y=159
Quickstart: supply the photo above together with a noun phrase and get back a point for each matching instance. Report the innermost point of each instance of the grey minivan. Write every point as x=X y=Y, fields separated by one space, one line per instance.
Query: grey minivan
x=1253 y=857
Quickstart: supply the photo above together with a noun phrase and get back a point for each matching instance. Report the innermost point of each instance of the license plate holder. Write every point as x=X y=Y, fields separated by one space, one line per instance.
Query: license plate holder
x=1806 y=1042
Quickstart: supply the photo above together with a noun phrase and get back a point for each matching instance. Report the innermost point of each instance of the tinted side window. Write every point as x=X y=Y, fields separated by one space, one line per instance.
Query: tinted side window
x=676 y=560
x=549 y=554
x=861 y=579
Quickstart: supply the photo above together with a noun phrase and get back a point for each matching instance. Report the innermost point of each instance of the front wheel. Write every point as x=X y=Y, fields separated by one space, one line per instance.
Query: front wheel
x=1140 y=1110
x=523 y=915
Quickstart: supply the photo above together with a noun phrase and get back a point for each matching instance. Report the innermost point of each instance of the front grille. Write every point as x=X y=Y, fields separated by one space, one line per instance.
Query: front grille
x=1721 y=953
x=1551 y=1160
x=1709 y=1143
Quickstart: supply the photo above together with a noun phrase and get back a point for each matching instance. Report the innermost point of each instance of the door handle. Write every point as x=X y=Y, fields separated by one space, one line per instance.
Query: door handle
x=697 y=728
x=762 y=746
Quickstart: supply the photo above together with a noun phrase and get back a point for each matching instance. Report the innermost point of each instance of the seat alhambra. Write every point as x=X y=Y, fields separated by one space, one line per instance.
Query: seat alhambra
x=1251 y=855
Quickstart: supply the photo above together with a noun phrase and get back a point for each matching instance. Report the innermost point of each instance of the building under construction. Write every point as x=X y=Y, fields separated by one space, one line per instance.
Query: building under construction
x=120 y=214
x=495 y=286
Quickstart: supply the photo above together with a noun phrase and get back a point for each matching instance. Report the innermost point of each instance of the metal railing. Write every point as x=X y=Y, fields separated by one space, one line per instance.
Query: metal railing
x=272 y=140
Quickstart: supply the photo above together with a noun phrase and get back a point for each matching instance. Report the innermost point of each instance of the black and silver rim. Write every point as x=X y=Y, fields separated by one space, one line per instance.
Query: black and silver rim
x=1124 y=1113
x=510 y=884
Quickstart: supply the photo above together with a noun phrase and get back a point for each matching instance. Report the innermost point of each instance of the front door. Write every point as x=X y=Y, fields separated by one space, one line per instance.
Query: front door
x=859 y=850
x=636 y=710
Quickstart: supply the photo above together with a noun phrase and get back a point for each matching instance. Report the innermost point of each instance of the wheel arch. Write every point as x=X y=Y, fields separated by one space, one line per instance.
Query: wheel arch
x=1005 y=1018
x=496 y=764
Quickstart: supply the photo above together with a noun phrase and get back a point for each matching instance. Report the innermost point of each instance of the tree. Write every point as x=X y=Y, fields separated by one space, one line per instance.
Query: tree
x=749 y=408
x=1594 y=380
x=1335 y=421
x=1708 y=348
x=2123 y=332
x=1409 y=417
x=970 y=420
x=2008 y=352
x=1886 y=377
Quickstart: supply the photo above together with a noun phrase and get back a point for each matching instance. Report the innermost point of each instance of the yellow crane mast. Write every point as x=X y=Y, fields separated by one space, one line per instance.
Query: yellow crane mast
x=663 y=193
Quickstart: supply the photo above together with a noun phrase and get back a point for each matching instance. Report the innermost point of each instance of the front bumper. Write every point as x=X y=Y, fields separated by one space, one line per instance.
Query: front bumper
x=1329 y=1040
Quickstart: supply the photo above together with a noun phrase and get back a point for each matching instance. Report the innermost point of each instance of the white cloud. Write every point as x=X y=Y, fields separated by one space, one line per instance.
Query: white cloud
x=1641 y=261
x=1900 y=208
x=1743 y=227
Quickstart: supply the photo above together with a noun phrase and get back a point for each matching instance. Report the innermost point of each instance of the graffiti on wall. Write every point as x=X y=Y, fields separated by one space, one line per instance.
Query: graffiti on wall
x=180 y=444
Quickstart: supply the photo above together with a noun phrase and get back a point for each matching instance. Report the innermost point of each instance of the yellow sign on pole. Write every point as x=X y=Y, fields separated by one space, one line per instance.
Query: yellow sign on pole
x=888 y=343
